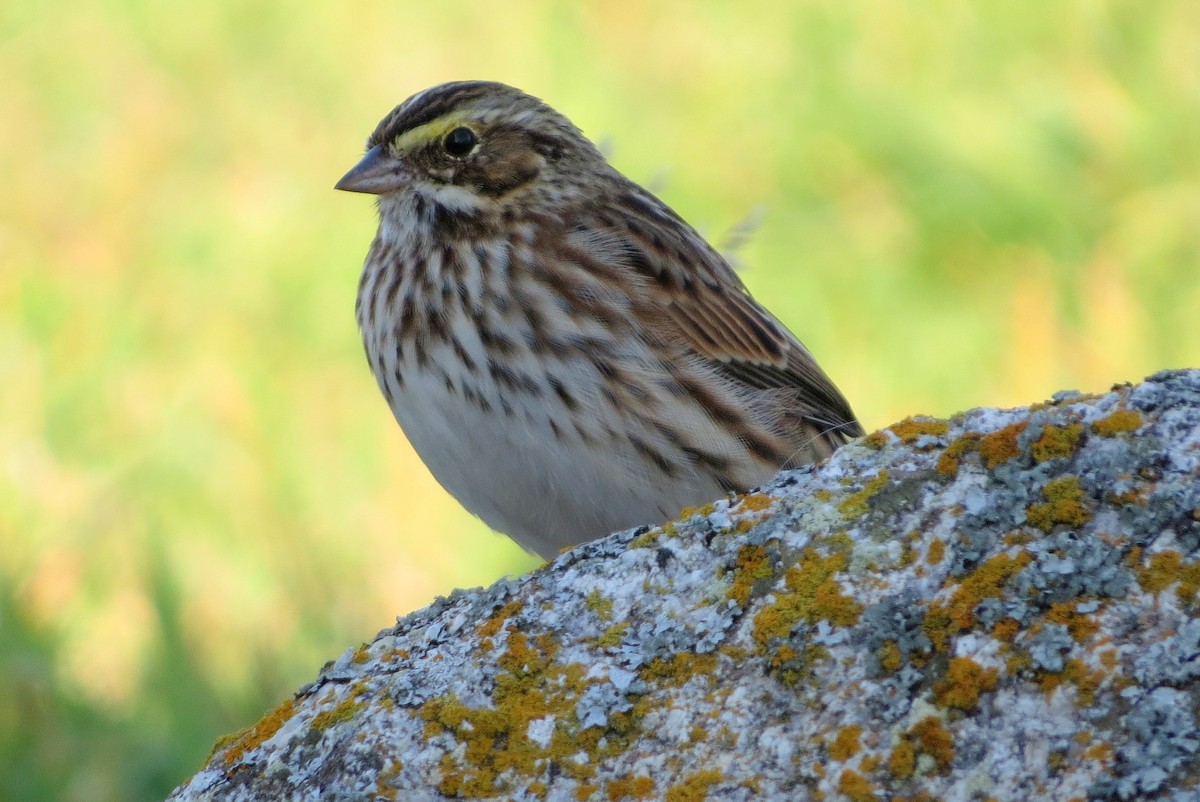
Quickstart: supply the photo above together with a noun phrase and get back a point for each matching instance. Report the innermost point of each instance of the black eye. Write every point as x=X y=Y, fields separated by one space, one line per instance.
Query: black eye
x=459 y=141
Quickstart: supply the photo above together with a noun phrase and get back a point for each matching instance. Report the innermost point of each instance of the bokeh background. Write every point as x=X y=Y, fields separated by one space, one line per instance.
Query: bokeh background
x=202 y=494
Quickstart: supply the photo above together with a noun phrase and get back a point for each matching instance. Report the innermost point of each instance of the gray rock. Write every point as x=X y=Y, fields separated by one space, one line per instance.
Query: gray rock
x=1001 y=606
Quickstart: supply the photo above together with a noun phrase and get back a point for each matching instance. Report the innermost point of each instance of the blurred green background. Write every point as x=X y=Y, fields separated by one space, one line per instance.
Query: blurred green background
x=203 y=495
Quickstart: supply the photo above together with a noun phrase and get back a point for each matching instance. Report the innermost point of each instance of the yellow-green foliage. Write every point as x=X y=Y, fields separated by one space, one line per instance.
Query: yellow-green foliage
x=202 y=494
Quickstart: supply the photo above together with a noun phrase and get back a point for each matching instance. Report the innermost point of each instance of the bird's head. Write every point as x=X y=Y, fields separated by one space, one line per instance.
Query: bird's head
x=471 y=144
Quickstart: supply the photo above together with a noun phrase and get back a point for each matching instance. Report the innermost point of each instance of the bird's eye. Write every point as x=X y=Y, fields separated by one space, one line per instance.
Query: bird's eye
x=459 y=141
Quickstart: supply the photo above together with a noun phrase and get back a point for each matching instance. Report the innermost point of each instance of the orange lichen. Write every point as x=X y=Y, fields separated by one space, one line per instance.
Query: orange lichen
x=1064 y=505
x=855 y=787
x=1167 y=568
x=679 y=668
x=845 y=745
x=1001 y=445
x=964 y=683
x=612 y=637
x=1006 y=629
x=755 y=502
x=1136 y=496
x=1018 y=538
x=1075 y=672
x=857 y=504
x=385 y=777
x=890 y=657
x=812 y=595
x=1057 y=442
x=495 y=747
x=931 y=738
x=957 y=614
x=639 y=787
x=936 y=552
x=493 y=625
x=1017 y=663
x=753 y=565
x=924 y=796
x=1123 y=420
x=599 y=604
x=520 y=658
x=950 y=459
x=875 y=440
x=648 y=539
x=691 y=512
x=911 y=429
x=240 y=743
x=694 y=788
x=342 y=711
x=903 y=760
x=1079 y=625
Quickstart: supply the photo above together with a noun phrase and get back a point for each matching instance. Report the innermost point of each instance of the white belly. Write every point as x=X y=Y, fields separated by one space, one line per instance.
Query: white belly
x=546 y=490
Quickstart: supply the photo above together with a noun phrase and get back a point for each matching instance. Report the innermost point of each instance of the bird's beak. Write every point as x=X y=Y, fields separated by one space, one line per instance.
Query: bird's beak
x=378 y=173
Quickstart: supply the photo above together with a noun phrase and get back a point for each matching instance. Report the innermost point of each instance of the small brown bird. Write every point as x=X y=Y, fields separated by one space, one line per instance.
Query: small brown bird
x=566 y=354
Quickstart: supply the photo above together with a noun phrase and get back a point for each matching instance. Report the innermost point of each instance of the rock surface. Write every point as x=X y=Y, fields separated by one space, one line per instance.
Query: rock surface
x=1000 y=606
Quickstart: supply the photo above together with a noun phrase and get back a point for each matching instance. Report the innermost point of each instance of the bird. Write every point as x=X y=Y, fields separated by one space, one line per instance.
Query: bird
x=566 y=354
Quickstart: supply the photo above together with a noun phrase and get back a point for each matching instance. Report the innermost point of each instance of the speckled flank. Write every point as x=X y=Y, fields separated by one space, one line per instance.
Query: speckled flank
x=1000 y=606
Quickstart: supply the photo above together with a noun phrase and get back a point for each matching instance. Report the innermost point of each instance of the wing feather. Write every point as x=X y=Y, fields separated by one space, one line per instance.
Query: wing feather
x=703 y=302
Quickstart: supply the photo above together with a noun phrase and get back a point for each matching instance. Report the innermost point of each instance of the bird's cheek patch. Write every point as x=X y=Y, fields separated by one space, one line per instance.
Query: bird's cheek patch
x=496 y=178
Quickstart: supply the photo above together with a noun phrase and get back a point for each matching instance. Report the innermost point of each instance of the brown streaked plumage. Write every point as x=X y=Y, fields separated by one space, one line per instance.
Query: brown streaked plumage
x=566 y=354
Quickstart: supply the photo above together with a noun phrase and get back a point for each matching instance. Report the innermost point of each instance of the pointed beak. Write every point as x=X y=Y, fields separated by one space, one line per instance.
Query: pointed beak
x=377 y=174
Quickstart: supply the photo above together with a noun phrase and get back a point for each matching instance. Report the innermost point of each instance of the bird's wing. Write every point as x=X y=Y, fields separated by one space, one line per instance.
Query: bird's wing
x=704 y=303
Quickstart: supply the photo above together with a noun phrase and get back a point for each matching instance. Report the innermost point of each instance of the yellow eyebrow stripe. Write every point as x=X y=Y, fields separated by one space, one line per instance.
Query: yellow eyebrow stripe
x=430 y=131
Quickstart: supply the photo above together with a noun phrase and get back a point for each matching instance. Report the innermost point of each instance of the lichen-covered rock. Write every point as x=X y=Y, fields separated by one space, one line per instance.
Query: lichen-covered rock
x=999 y=606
